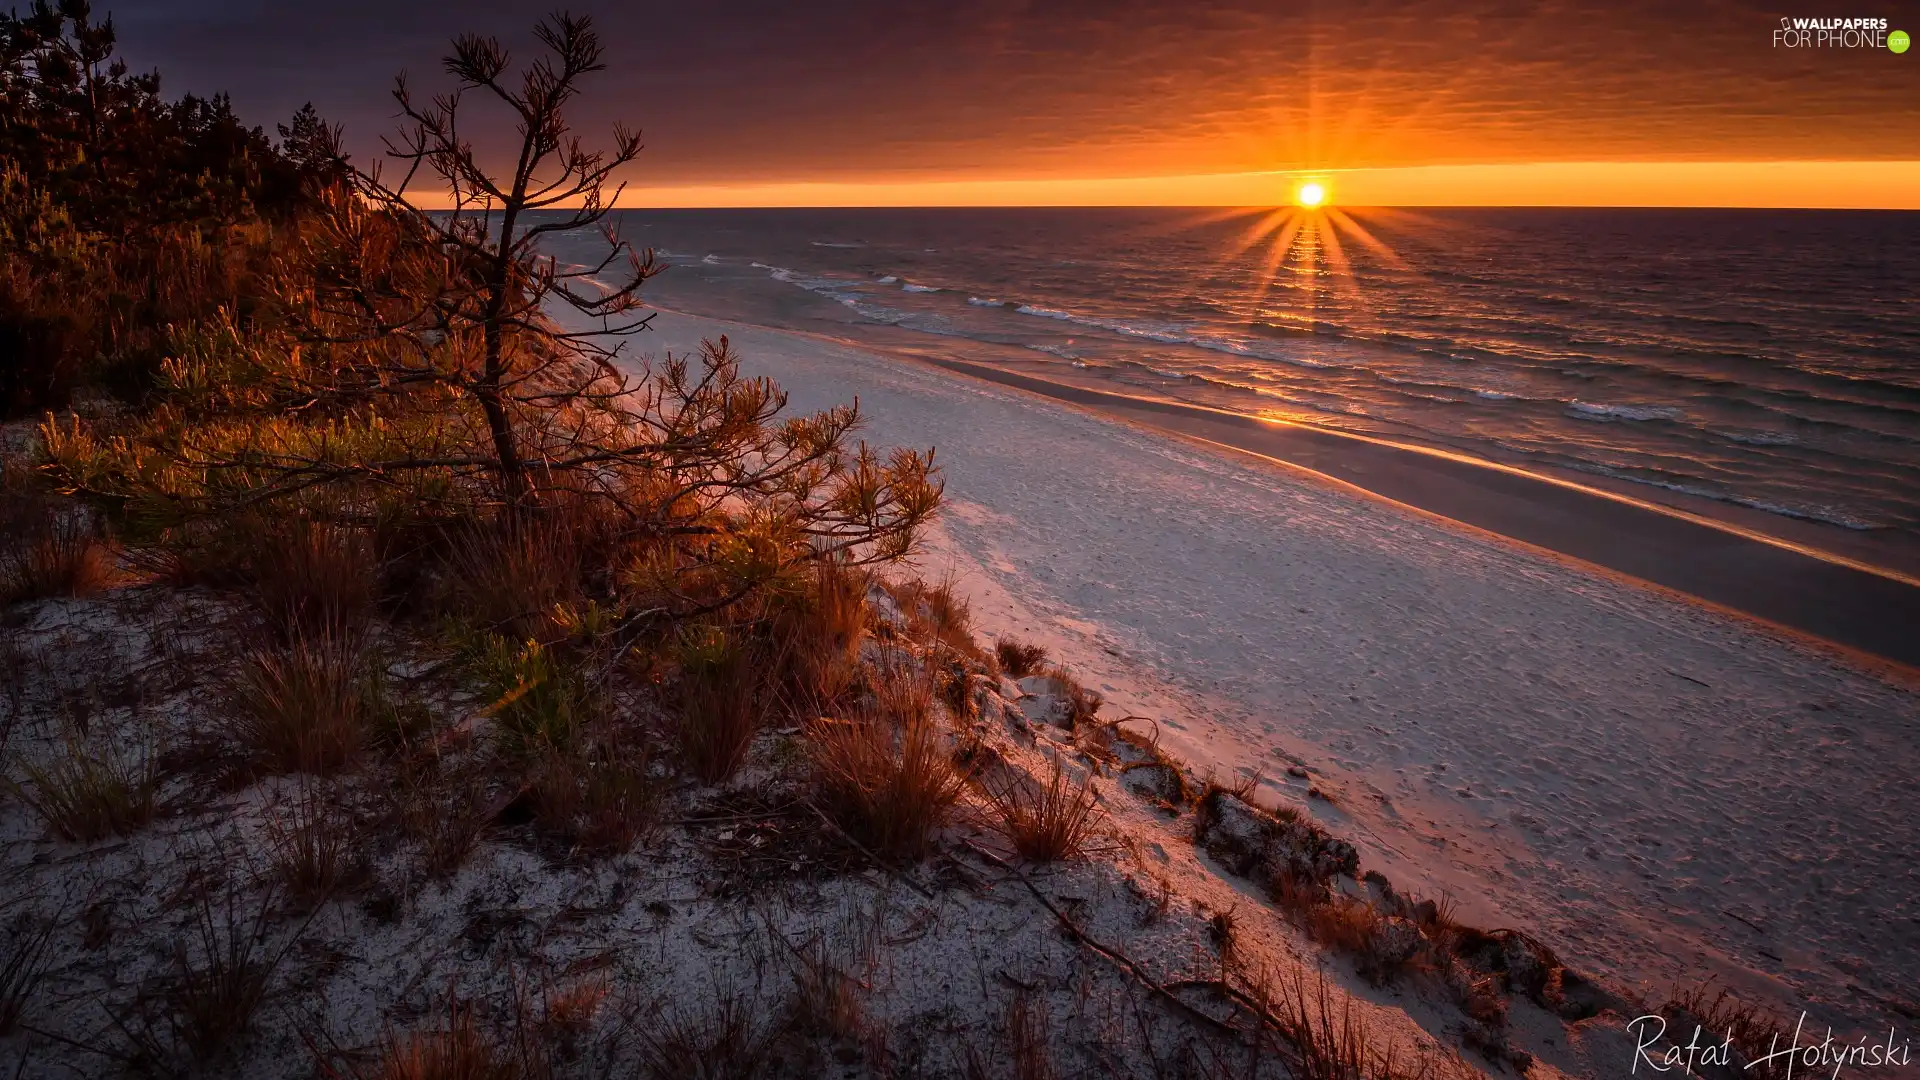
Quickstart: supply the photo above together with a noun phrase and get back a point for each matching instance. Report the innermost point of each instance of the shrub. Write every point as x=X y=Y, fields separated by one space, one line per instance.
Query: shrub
x=720 y=694
x=540 y=700
x=884 y=775
x=1019 y=659
x=300 y=707
x=1051 y=824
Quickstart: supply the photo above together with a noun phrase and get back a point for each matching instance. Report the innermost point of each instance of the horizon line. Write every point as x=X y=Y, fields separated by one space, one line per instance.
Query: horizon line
x=1768 y=185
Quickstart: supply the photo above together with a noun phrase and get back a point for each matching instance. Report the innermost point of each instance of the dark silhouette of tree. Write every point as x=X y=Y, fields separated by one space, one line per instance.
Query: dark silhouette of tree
x=77 y=123
x=445 y=365
x=501 y=283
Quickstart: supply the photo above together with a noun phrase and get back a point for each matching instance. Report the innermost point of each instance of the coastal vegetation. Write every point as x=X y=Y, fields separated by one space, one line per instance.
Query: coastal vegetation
x=408 y=678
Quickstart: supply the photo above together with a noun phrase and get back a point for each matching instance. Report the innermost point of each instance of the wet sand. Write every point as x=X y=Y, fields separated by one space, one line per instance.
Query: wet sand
x=1868 y=609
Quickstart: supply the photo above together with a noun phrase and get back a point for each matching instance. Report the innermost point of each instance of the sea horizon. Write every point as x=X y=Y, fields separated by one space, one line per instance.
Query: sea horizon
x=1772 y=397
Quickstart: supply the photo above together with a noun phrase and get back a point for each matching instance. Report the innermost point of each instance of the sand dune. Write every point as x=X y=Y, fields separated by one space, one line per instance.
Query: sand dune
x=1663 y=793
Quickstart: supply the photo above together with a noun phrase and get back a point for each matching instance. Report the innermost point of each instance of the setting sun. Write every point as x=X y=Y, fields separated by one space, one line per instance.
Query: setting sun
x=1310 y=195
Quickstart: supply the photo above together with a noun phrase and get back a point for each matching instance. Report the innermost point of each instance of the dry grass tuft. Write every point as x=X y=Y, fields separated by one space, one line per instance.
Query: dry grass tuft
x=729 y=1039
x=445 y=812
x=303 y=707
x=47 y=549
x=1028 y=1037
x=1048 y=825
x=598 y=802
x=459 y=1050
x=311 y=579
x=510 y=581
x=884 y=775
x=22 y=965
x=1019 y=659
x=1327 y=1040
x=1082 y=703
x=315 y=849
x=90 y=792
x=571 y=1011
x=830 y=981
x=938 y=614
x=1755 y=1032
x=221 y=977
x=817 y=637
x=721 y=696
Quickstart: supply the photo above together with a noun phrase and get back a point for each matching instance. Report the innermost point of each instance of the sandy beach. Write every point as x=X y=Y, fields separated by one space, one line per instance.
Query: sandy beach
x=1663 y=792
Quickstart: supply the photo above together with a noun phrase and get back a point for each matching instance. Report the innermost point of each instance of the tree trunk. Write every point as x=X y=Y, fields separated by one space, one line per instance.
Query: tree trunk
x=513 y=473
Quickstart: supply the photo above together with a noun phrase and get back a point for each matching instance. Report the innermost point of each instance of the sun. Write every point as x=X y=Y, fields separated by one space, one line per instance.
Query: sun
x=1310 y=195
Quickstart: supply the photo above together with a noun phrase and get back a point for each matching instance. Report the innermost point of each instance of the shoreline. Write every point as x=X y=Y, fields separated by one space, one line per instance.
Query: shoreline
x=1869 y=612
x=1864 y=609
x=1548 y=743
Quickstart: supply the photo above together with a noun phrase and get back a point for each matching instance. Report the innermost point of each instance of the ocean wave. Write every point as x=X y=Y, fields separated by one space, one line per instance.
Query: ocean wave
x=888 y=280
x=1495 y=395
x=985 y=301
x=1760 y=438
x=1593 y=410
x=1060 y=351
x=1182 y=376
x=911 y=287
x=710 y=260
x=1173 y=335
x=838 y=243
x=1825 y=515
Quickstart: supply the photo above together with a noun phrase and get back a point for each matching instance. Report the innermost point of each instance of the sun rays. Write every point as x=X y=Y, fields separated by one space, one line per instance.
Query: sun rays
x=1304 y=249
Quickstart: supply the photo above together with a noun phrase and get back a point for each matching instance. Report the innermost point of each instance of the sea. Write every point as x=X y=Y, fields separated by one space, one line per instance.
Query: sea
x=1765 y=360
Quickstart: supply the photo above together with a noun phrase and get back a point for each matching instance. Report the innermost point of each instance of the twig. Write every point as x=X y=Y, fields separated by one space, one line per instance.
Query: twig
x=878 y=861
x=1122 y=961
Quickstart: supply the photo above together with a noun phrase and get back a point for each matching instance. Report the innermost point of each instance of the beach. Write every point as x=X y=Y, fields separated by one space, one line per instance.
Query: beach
x=1665 y=793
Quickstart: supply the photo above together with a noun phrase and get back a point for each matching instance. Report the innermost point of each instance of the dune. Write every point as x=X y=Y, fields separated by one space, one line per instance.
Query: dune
x=1665 y=793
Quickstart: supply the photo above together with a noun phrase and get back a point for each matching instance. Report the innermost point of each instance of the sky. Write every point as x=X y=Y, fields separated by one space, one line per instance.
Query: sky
x=1422 y=102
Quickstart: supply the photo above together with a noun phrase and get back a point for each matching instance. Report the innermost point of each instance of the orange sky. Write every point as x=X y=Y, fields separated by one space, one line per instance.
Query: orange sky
x=874 y=102
x=1815 y=184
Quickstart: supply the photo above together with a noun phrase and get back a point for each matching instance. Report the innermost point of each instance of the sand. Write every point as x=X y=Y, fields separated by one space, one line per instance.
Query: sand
x=1664 y=793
